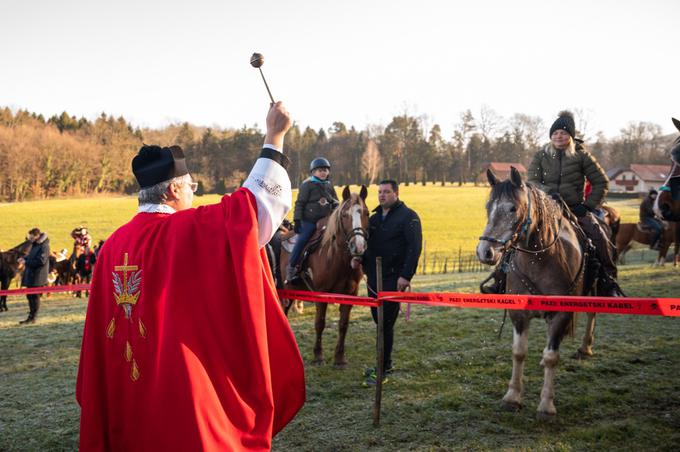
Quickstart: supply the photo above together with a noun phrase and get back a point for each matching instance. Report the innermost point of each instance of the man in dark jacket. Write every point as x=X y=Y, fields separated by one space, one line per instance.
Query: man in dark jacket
x=36 y=270
x=648 y=218
x=316 y=199
x=395 y=234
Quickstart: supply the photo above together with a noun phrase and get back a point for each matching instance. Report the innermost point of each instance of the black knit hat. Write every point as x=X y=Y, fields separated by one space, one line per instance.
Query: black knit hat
x=154 y=164
x=565 y=121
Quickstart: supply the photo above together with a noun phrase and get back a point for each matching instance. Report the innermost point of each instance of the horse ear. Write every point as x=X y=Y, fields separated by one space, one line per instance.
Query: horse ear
x=345 y=193
x=493 y=180
x=677 y=123
x=516 y=177
x=363 y=194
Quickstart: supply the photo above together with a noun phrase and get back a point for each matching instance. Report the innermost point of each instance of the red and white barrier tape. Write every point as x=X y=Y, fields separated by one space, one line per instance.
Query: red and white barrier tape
x=634 y=306
x=45 y=289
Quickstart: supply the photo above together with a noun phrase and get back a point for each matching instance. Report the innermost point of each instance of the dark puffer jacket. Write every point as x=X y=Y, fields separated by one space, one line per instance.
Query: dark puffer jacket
x=37 y=263
x=566 y=171
x=315 y=201
x=397 y=238
x=647 y=209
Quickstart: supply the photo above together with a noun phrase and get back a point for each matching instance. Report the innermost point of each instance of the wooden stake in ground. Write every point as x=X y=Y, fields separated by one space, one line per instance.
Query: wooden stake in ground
x=380 y=359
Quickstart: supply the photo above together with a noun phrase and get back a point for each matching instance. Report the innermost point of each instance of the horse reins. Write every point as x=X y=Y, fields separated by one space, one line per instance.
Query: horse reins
x=350 y=235
x=522 y=229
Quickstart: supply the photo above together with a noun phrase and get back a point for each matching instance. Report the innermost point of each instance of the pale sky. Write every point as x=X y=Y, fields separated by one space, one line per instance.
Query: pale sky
x=360 y=62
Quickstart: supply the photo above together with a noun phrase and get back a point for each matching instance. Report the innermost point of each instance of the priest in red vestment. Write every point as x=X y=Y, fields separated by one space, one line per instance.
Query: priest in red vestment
x=185 y=346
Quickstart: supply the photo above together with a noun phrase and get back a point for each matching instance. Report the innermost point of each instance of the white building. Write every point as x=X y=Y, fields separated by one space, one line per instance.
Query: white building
x=637 y=178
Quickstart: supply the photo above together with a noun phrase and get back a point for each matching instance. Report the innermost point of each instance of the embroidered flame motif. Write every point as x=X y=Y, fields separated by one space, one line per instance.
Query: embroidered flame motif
x=126 y=293
x=142 y=329
x=134 y=372
x=111 y=329
x=128 y=352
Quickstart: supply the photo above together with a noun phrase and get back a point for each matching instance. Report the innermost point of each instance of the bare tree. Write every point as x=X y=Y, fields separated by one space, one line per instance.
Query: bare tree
x=489 y=122
x=583 y=118
x=371 y=162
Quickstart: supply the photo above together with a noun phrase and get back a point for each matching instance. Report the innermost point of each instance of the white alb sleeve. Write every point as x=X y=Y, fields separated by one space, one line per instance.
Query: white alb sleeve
x=269 y=183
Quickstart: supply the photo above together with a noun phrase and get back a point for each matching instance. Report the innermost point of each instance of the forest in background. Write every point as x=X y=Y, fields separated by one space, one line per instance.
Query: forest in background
x=64 y=155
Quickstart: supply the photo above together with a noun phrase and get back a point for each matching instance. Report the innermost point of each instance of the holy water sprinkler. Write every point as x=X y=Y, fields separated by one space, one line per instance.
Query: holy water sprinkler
x=256 y=61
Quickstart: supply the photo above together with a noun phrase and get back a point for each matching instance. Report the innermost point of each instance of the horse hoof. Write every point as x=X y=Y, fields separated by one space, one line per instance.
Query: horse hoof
x=317 y=361
x=511 y=406
x=545 y=416
x=582 y=355
x=340 y=365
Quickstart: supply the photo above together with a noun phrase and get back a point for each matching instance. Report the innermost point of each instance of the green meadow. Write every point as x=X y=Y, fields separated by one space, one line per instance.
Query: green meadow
x=453 y=216
x=445 y=394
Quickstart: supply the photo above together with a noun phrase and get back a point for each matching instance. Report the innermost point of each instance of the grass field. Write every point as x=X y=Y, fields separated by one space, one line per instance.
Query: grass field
x=451 y=368
x=452 y=371
x=453 y=217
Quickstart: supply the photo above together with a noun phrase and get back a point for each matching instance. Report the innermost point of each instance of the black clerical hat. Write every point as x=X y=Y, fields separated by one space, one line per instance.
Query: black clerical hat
x=154 y=164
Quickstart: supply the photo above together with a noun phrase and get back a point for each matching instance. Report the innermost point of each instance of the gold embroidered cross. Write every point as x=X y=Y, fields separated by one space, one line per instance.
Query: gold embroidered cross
x=125 y=268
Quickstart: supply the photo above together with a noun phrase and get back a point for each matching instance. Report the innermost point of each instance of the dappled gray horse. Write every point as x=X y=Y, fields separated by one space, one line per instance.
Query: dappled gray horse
x=542 y=252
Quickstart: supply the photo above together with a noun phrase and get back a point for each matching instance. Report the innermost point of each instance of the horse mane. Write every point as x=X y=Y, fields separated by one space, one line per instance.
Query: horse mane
x=675 y=150
x=334 y=225
x=542 y=218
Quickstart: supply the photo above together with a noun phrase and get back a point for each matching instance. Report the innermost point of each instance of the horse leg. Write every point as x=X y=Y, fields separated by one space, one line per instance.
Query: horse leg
x=343 y=324
x=319 y=325
x=4 y=285
x=520 y=345
x=286 y=303
x=586 y=349
x=557 y=328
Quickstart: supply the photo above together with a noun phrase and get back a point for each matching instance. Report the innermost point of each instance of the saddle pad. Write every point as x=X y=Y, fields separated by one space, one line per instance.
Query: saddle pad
x=289 y=243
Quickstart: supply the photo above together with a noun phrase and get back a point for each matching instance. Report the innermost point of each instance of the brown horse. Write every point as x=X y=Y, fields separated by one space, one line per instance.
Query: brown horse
x=543 y=253
x=329 y=266
x=9 y=267
x=667 y=204
x=630 y=232
x=612 y=218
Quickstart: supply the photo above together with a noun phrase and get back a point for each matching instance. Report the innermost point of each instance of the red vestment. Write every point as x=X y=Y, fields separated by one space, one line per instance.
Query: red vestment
x=185 y=346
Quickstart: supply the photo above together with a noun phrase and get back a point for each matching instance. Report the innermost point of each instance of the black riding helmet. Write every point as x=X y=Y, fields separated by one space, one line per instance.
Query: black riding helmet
x=319 y=162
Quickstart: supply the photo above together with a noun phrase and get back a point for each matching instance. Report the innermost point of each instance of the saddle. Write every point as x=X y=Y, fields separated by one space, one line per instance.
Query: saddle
x=312 y=245
x=642 y=227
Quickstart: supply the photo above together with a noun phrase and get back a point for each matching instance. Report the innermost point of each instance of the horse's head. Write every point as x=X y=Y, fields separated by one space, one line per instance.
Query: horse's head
x=354 y=218
x=10 y=258
x=507 y=213
x=23 y=248
x=349 y=222
x=667 y=204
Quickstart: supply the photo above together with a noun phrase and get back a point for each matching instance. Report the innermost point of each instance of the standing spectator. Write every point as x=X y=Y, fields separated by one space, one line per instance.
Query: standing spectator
x=395 y=234
x=37 y=268
x=649 y=219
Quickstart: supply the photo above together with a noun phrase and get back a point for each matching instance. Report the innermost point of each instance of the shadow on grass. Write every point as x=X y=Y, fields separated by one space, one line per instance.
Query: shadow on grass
x=451 y=372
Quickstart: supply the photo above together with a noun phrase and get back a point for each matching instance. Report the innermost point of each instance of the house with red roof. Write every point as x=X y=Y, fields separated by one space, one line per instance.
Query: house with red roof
x=501 y=170
x=637 y=178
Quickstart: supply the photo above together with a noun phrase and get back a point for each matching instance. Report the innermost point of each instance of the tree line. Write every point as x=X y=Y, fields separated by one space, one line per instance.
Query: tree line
x=65 y=155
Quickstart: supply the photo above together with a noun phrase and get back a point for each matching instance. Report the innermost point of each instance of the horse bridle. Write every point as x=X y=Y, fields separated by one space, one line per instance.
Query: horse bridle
x=519 y=229
x=674 y=173
x=350 y=235
x=522 y=229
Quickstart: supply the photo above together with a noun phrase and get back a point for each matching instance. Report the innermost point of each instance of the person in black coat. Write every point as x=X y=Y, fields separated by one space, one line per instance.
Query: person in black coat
x=36 y=265
x=316 y=199
x=649 y=219
x=395 y=234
